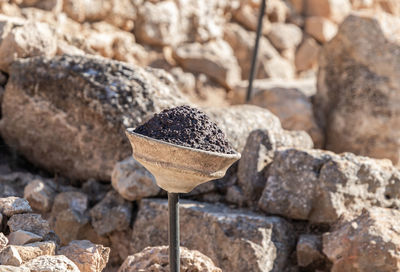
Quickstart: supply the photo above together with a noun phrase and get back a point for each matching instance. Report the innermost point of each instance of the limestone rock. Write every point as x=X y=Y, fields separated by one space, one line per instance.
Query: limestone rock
x=10 y=256
x=367 y=243
x=87 y=10
x=309 y=250
x=51 y=264
x=285 y=36
x=336 y=10
x=271 y=64
x=360 y=108
x=83 y=121
x=132 y=181
x=22 y=237
x=3 y=241
x=214 y=58
x=321 y=186
x=247 y=15
x=156 y=259
x=31 y=251
x=237 y=240
x=307 y=55
x=39 y=195
x=113 y=213
x=11 y=268
x=24 y=40
x=87 y=256
x=29 y=222
x=320 y=28
x=14 y=205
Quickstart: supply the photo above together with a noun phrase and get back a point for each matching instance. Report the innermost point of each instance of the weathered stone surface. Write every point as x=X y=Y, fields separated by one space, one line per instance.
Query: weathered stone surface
x=10 y=256
x=31 y=251
x=76 y=201
x=11 y=268
x=285 y=36
x=23 y=40
x=22 y=237
x=87 y=256
x=237 y=122
x=3 y=241
x=14 y=205
x=293 y=108
x=336 y=10
x=367 y=243
x=321 y=186
x=29 y=222
x=307 y=55
x=360 y=107
x=258 y=153
x=82 y=122
x=51 y=264
x=132 y=181
x=87 y=10
x=214 y=58
x=39 y=195
x=237 y=240
x=271 y=64
x=247 y=15
x=156 y=259
x=320 y=28
x=309 y=250
x=113 y=213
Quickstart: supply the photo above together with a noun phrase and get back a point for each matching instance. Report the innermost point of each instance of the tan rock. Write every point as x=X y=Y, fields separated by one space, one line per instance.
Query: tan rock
x=22 y=237
x=122 y=15
x=214 y=59
x=335 y=10
x=320 y=28
x=29 y=222
x=11 y=268
x=359 y=108
x=367 y=243
x=115 y=102
x=87 y=10
x=3 y=241
x=39 y=195
x=298 y=5
x=31 y=251
x=120 y=246
x=309 y=250
x=156 y=259
x=10 y=256
x=14 y=205
x=285 y=36
x=307 y=55
x=277 y=11
x=77 y=201
x=51 y=264
x=87 y=256
x=247 y=15
x=132 y=181
x=390 y=6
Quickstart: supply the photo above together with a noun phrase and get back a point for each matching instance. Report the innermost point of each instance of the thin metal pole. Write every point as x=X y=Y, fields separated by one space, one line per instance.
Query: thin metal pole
x=255 y=51
x=173 y=232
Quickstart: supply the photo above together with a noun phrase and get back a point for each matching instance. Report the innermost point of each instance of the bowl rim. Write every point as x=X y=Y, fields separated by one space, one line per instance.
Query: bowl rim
x=236 y=155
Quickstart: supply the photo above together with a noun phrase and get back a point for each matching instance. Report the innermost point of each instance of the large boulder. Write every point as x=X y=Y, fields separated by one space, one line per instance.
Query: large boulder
x=358 y=99
x=321 y=186
x=75 y=109
x=234 y=240
x=370 y=242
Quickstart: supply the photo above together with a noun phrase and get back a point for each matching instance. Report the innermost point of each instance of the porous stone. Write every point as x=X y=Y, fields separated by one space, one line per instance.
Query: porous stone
x=39 y=195
x=10 y=256
x=113 y=213
x=83 y=121
x=132 y=181
x=367 y=243
x=14 y=205
x=22 y=237
x=51 y=264
x=31 y=251
x=285 y=36
x=156 y=259
x=309 y=250
x=359 y=108
x=87 y=256
x=241 y=241
x=11 y=268
x=321 y=186
x=3 y=241
x=29 y=222
x=320 y=28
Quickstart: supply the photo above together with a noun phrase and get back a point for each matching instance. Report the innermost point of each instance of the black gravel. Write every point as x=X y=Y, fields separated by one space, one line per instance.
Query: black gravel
x=188 y=127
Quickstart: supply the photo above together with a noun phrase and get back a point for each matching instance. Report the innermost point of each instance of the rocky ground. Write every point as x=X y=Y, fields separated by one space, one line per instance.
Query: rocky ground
x=74 y=74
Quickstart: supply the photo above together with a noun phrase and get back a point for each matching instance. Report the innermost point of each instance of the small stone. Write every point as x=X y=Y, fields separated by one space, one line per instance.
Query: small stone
x=320 y=28
x=33 y=250
x=22 y=237
x=10 y=256
x=335 y=10
x=309 y=250
x=285 y=36
x=68 y=225
x=87 y=256
x=307 y=55
x=3 y=241
x=39 y=195
x=111 y=214
x=156 y=259
x=51 y=264
x=14 y=205
x=29 y=222
x=132 y=181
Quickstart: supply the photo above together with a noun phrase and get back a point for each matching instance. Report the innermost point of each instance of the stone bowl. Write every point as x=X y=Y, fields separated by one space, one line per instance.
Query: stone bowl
x=178 y=169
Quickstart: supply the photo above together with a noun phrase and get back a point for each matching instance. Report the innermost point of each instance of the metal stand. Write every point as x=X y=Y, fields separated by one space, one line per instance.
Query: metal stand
x=173 y=232
x=255 y=51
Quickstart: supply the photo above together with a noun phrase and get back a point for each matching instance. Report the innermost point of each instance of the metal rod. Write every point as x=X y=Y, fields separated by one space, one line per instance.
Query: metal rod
x=173 y=232
x=253 y=67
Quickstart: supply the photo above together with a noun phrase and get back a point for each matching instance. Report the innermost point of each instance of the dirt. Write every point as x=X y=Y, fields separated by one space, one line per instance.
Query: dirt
x=186 y=126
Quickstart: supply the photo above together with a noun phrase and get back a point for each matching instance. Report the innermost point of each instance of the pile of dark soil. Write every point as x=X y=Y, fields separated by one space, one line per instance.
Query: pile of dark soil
x=188 y=127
